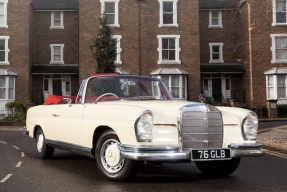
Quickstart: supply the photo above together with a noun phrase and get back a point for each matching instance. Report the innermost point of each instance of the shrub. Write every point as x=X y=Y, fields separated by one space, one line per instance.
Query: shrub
x=16 y=112
x=282 y=110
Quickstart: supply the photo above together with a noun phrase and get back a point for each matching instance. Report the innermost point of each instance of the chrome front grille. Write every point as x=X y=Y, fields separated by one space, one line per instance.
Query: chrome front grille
x=201 y=129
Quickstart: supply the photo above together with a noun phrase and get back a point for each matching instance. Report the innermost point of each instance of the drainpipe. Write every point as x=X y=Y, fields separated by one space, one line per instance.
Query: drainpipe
x=139 y=34
x=250 y=53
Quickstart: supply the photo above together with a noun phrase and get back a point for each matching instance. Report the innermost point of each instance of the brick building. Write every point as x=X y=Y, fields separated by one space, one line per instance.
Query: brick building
x=55 y=49
x=14 y=51
x=227 y=49
x=248 y=34
x=158 y=38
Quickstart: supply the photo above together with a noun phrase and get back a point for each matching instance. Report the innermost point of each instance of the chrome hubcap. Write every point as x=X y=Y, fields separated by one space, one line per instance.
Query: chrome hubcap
x=111 y=157
x=40 y=142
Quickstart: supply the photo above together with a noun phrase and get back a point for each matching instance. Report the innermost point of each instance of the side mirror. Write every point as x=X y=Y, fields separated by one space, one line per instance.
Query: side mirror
x=66 y=101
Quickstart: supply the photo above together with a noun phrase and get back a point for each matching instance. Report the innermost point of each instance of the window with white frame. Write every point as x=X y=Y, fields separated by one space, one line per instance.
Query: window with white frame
x=111 y=8
x=7 y=88
x=3 y=14
x=168 y=13
x=176 y=84
x=119 y=49
x=279 y=48
x=281 y=86
x=216 y=53
x=57 y=54
x=215 y=19
x=4 y=50
x=276 y=86
x=279 y=12
x=270 y=87
x=57 y=20
x=168 y=49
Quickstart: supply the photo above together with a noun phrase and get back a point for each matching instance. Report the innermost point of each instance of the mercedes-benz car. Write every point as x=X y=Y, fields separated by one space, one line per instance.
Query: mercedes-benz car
x=124 y=120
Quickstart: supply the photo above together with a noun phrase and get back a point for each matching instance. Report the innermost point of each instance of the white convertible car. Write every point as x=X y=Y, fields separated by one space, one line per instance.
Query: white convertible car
x=123 y=120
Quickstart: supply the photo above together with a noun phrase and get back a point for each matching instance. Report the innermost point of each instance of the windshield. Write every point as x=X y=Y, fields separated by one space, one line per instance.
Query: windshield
x=107 y=88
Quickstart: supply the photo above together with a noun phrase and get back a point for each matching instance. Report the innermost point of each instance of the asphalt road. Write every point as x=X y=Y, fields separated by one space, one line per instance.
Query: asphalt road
x=21 y=170
x=270 y=124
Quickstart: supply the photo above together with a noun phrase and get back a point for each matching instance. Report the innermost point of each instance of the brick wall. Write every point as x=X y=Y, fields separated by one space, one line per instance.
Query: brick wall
x=139 y=22
x=261 y=23
x=44 y=36
x=18 y=31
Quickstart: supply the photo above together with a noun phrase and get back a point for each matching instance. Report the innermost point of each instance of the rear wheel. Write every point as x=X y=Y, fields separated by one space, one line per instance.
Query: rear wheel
x=44 y=150
x=218 y=168
x=109 y=160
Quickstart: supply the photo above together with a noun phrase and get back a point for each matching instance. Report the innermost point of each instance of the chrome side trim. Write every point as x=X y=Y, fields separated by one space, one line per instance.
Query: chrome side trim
x=71 y=147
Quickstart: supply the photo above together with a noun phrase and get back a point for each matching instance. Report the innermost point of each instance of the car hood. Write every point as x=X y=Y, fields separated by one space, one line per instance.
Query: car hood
x=165 y=112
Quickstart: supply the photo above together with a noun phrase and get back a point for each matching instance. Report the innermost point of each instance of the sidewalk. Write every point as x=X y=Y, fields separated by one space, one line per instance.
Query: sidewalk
x=275 y=138
x=11 y=127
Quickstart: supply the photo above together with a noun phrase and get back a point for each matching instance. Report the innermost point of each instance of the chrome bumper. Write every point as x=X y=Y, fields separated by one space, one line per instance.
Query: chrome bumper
x=153 y=153
x=25 y=131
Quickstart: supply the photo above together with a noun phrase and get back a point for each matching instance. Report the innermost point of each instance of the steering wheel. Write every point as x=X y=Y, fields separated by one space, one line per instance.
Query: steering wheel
x=105 y=94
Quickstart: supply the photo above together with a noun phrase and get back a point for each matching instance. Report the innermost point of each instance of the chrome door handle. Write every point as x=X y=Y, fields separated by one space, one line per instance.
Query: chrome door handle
x=55 y=115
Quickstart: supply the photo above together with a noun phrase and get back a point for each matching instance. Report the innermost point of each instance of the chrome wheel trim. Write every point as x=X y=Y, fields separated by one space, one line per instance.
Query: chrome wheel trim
x=40 y=142
x=111 y=157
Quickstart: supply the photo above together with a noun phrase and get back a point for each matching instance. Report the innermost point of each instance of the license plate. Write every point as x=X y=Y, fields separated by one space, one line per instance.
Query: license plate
x=210 y=154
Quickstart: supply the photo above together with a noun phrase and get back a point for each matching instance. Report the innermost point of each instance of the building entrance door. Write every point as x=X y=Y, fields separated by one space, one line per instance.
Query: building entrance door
x=216 y=90
x=56 y=85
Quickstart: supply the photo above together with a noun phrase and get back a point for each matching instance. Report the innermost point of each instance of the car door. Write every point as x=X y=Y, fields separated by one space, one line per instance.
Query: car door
x=67 y=123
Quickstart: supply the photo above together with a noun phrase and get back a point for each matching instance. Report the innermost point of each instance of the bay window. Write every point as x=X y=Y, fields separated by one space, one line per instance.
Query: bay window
x=176 y=85
x=7 y=88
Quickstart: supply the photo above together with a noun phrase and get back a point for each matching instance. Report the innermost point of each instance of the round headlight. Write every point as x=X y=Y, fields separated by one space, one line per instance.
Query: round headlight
x=143 y=127
x=250 y=126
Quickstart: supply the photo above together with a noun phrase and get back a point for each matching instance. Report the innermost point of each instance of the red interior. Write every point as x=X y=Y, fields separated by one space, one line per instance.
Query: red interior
x=56 y=99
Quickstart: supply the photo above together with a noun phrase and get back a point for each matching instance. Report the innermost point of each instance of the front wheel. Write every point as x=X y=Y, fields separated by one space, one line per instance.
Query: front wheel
x=109 y=160
x=44 y=150
x=218 y=168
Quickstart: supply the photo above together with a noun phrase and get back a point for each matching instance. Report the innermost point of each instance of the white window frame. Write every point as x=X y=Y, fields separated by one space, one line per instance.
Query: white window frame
x=5 y=24
x=7 y=50
x=177 y=49
x=161 y=24
x=274 y=86
x=118 y=38
x=53 y=20
x=181 y=87
x=7 y=88
x=219 y=20
x=273 y=48
x=66 y=85
x=220 y=60
x=274 y=2
x=277 y=86
x=116 y=24
x=52 y=54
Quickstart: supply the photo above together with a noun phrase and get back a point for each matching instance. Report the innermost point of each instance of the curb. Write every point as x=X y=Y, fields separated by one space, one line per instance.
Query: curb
x=273 y=145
